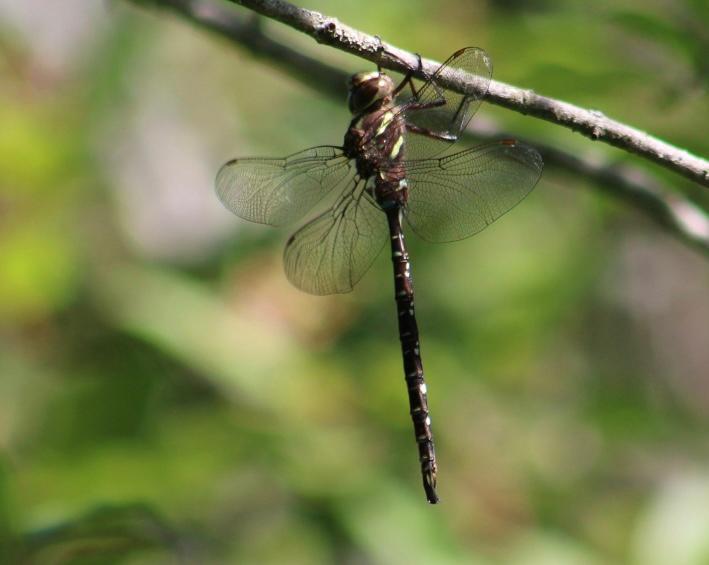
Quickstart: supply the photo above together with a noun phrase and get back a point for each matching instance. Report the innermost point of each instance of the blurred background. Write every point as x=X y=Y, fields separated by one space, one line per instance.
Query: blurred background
x=167 y=397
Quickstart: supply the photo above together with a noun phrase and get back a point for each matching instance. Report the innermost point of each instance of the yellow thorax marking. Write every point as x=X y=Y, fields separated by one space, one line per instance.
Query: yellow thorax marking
x=397 y=147
x=386 y=120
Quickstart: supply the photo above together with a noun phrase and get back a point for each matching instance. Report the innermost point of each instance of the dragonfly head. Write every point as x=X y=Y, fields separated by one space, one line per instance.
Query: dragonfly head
x=368 y=88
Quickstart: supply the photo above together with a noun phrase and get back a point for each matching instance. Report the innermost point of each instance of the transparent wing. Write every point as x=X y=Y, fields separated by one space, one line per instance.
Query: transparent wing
x=331 y=253
x=454 y=197
x=450 y=118
x=281 y=191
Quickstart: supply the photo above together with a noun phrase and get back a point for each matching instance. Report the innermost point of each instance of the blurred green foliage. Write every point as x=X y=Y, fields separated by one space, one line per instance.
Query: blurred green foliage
x=165 y=396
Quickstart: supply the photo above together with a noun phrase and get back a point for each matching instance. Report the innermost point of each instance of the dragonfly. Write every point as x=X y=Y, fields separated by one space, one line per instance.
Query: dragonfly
x=394 y=166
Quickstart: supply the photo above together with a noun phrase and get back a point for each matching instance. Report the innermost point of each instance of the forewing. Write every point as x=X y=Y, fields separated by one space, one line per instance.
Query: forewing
x=281 y=191
x=331 y=253
x=451 y=117
x=454 y=197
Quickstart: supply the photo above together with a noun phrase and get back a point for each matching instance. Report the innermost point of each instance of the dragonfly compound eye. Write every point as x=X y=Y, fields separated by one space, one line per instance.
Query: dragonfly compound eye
x=368 y=88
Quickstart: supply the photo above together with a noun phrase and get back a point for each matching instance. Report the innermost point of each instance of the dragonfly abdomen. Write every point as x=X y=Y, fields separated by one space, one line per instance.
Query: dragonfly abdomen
x=410 y=349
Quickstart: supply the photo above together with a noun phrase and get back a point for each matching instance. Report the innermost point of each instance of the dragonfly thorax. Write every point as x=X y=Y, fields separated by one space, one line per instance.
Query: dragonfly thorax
x=376 y=142
x=366 y=89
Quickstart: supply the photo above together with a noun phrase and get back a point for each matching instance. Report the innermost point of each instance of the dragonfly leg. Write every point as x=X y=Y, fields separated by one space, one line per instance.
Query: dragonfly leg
x=437 y=103
x=379 y=51
x=408 y=79
x=430 y=133
x=414 y=92
x=419 y=68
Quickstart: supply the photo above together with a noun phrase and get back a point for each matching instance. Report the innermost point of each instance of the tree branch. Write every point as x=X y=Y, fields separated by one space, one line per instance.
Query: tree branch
x=672 y=211
x=591 y=123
